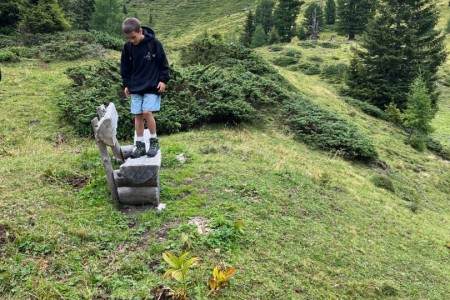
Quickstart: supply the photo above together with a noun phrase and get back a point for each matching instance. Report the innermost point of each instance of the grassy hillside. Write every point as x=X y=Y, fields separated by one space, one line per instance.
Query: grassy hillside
x=315 y=226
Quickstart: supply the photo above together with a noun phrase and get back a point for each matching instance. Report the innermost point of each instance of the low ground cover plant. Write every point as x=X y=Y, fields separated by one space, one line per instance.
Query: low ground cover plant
x=366 y=108
x=314 y=125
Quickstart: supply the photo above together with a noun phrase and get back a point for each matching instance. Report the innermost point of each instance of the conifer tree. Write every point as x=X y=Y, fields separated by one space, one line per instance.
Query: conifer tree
x=285 y=15
x=330 y=12
x=107 y=17
x=9 y=14
x=82 y=14
x=400 y=42
x=259 y=37
x=273 y=37
x=264 y=14
x=249 y=29
x=46 y=16
x=313 y=20
x=353 y=16
x=419 y=113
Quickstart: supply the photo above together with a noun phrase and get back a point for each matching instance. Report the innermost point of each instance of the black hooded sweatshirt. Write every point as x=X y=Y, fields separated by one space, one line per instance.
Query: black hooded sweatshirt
x=141 y=72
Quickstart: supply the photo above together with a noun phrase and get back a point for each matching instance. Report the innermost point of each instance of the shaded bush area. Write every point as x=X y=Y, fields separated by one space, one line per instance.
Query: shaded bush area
x=383 y=182
x=91 y=87
x=228 y=84
x=335 y=73
x=284 y=61
x=323 y=129
x=366 y=108
x=60 y=46
x=228 y=90
x=209 y=94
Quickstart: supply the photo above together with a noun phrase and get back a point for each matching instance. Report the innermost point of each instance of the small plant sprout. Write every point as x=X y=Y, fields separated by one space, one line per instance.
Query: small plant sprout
x=178 y=271
x=221 y=278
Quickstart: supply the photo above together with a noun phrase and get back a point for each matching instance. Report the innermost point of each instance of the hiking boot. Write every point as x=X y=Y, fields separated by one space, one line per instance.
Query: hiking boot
x=139 y=150
x=154 y=147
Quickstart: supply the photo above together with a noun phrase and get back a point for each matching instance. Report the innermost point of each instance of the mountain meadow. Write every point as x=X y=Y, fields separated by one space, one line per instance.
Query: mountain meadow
x=301 y=161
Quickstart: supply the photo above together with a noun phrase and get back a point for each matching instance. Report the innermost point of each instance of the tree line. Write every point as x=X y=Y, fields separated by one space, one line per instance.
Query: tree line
x=276 y=22
x=49 y=16
x=395 y=65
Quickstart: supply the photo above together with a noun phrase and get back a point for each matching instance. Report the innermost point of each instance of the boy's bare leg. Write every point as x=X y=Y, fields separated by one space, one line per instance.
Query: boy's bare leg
x=139 y=124
x=151 y=123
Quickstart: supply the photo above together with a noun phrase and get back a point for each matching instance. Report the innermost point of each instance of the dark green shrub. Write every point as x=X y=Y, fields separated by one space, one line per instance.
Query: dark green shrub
x=308 y=44
x=7 y=41
x=213 y=51
x=91 y=87
x=330 y=45
x=433 y=145
x=293 y=53
x=324 y=129
x=8 y=56
x=276 y=48
x=64 y=51
x=315 y=58
x=417 y=142
x=196 y=95
x=309 y=69
x=284 y=61
x=335 y=73
x=201 y=95
x=366 y=108
x=25 y=52
x=108 y=41
x=394 y=114
x=383 y=182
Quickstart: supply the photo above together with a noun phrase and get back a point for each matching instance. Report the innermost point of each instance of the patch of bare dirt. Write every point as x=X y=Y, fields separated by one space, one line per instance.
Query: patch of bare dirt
x=77 y=181
x=5 y=236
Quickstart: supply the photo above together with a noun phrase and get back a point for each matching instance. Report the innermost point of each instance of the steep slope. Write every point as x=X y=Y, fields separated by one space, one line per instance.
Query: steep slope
x=315 y=225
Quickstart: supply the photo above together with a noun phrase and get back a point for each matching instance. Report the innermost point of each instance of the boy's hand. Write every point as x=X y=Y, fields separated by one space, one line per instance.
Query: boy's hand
x=161 y=87
x=126 y=92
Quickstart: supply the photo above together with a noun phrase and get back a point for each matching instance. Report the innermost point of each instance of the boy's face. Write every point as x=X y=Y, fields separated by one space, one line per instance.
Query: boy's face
x=135 y=37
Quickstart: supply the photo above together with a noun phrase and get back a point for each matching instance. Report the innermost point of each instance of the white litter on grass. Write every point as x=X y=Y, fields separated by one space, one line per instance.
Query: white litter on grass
x=201 y=223
x=161 y=206
x=181 y=158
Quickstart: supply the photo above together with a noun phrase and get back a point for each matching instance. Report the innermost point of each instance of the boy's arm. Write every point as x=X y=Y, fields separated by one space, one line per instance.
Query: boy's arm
x=125 y=66
x=163 y=64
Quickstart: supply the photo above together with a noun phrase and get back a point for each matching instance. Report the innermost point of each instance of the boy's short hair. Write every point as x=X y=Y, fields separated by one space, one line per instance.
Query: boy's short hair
x=130 y=25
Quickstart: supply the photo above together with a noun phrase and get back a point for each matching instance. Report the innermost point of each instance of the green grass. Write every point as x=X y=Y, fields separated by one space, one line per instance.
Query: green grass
x=315 y=226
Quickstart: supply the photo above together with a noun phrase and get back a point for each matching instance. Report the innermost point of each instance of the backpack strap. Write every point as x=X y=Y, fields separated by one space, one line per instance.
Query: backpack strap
x=151 y=49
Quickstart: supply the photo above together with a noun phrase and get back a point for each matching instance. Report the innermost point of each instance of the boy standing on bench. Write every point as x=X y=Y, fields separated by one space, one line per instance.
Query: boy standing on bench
x=145 y=74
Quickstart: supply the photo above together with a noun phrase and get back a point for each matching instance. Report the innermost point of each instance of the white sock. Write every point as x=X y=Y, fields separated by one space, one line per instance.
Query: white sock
x=153 y=135
x=139 y=139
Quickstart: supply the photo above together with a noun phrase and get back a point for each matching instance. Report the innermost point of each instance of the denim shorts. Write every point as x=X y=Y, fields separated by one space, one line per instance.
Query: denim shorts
x=146 y=102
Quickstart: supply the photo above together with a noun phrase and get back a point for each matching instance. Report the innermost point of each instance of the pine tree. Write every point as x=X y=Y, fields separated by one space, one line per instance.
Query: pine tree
x=249 y=29
x=400 y=42
x=273 y=37
x=330 y=12
x=259 y=37
x=44 y=17
x=9 y=14
x=264 y=14
x=285 y=15
x=107 y=17
x=353 y=16
x=313 y=20
x=419 y=113
x=82 y=14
